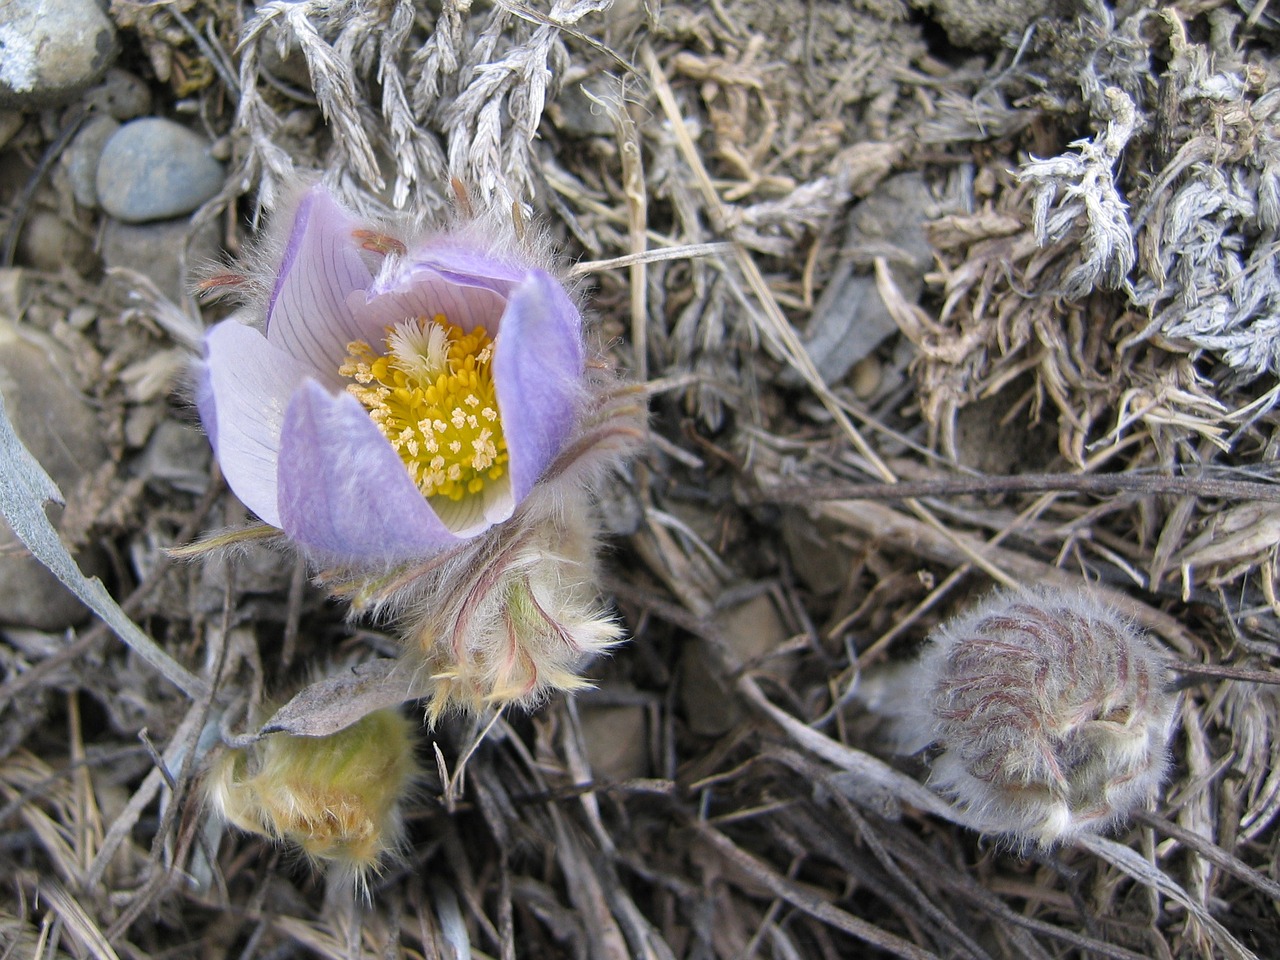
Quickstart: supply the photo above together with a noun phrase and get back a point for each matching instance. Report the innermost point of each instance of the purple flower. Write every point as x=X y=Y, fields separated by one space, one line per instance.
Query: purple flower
x=392 y=410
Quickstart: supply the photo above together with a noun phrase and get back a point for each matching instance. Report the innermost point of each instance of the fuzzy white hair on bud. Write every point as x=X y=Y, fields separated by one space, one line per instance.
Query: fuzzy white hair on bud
x=1045 y=713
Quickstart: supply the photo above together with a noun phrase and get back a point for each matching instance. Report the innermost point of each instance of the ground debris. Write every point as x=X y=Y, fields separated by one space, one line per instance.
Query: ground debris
x=1068 y=231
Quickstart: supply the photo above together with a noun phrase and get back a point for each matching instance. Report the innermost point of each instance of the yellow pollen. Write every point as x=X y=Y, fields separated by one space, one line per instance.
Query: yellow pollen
x=420 y=394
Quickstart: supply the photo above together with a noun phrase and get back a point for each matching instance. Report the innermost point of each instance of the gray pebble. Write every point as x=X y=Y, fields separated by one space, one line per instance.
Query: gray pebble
x=80 y=160
x=850 y=319
x=50 y=50
x=10 y=123
x=155 y=169
x=289 y=65
x=153 y=249
x=49 y=243
x=178 y=455
x=121 y=95
x=586 y=109
x=59 y=427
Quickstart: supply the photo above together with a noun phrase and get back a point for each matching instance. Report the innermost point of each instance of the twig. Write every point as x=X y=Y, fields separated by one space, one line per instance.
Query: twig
x=802 y=899
x=1142 y=484
x=1213 y=853
x=1220 y=672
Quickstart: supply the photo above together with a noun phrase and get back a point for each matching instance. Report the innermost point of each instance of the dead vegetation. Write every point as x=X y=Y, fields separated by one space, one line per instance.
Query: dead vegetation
x=1076 y=383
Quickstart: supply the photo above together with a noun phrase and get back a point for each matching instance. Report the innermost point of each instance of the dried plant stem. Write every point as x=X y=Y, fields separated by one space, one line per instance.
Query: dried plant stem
x=1213 y=853
x=888 y=525
x=813 y=905
x=1137 y=483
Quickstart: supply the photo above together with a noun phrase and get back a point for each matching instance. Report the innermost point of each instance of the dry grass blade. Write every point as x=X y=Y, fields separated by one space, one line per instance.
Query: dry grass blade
x=797 y=896
x=1148 y=874
x=77 y=922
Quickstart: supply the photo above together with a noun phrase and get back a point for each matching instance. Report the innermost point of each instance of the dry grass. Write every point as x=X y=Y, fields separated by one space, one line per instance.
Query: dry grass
x=1056 y=404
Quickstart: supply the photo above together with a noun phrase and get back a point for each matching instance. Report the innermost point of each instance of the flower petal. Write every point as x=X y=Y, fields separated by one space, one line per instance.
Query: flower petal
x=538 y=363
x=413 y=287
x=459 y=261
x=242 y=392
x=343 y=490
x=308 y=314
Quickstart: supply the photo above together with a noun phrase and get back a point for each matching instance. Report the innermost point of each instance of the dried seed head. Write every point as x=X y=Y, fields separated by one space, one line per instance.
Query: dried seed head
x=1050 y=711
x=337 y=798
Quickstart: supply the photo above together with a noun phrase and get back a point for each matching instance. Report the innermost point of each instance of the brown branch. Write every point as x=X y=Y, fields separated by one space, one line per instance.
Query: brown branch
x=1220 y=672
x=1094 y=483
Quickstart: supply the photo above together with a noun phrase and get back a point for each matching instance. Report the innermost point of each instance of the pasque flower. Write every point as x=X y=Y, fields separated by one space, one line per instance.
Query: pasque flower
x=401 y=397
x=1047 y=714
x=421 y=417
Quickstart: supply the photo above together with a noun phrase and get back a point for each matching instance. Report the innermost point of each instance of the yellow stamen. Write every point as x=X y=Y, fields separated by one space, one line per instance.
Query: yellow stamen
x=432 y=396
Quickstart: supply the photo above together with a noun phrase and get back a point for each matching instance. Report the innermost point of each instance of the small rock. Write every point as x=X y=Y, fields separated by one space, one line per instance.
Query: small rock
x=178 y=455
x=255 y=569
x=819 y=559
x=50 y=50
x=153 y=249
x=865 y=377
x=586 y=108
x=155 y=169
x=80 y=160
x=139 y=423
x=289 y=64
x=49 y=243
x=121 y=95
x=59 y=427
x=616 y=743
x=850 y=319
x=10 y=123
x=751 y=631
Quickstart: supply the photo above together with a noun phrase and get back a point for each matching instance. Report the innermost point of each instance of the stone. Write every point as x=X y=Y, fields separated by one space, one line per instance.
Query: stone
x=10 y=123
x=615 y=740
x=58 y=425
x=178 y=455
x=288 y=64
x=850 y=319
x=51 y=50
x=121 y=95
x=751 y=632
x=49 y=243
x=155 y=169
x=154 y=249
x=585 y=109
x=80 y=159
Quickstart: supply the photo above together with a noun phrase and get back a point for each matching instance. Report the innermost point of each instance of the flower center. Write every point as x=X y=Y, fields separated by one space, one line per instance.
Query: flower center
x=431 y=395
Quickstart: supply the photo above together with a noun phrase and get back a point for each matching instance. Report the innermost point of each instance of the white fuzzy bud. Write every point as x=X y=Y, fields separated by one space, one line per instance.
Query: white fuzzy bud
x=1049 y=712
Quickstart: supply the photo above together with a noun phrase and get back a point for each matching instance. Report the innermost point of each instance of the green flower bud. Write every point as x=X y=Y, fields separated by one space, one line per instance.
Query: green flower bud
x=337 y=798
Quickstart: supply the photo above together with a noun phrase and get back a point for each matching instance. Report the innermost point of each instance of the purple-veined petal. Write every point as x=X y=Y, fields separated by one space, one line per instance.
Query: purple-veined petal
x=459 y=261
x=242 y=393
x=417 y=289
x=538 y=362
x=343 y=490
x=309 y=314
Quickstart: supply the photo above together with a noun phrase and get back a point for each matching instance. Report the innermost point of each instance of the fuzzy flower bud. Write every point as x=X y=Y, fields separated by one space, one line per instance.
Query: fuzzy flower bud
x=510 y=619
x=337 y=798
x=1049 y=712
